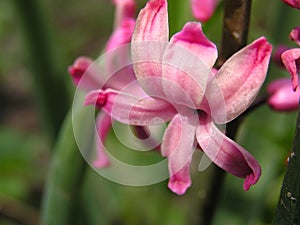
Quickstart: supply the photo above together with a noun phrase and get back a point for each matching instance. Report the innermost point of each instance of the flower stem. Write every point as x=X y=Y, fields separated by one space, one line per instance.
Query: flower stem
x=50 y=89
x=288 y=208
x=67 y=171
x=235 y=27
x=235 y=32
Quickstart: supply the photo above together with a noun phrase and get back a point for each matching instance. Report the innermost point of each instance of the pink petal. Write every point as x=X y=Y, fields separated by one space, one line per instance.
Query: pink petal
x=152 y=22
x=178 y=145
x=130 y=109
x=275 y=85
x=120 y=78
x=289 y=59
x=187 y=64
x=103 y=125
x=225 y=153
x=203 y=9
x=295 y=35
x=239 y=81
x=192 y=38
x=282 y=97
x=110 y=72
x=122 y=35
x=81 y=73
x=124 y=9
x=293 y=3
x=148 y=42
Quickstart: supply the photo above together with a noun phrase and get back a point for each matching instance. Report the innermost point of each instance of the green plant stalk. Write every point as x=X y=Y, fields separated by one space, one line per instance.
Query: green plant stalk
x=66 y=173
x=49 y=79
x=288 y=208
x=235 y=32
x=179 y=14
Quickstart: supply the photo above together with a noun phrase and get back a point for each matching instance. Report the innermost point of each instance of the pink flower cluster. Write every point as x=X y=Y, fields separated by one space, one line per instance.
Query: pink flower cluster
x=282 y=98
x=174 y=80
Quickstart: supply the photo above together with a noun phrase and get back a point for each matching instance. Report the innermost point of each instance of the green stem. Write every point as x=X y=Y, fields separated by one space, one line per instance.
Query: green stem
x=50 y=85
x=67 y=171
x=179 y=14
x=235 y=27
x=235 y=32
x=288 y=209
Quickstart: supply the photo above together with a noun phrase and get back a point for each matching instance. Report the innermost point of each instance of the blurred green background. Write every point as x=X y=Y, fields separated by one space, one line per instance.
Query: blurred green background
x=73 y=28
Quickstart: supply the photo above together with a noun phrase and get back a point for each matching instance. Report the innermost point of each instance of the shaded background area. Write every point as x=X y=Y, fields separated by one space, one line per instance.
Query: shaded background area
x=76 y=28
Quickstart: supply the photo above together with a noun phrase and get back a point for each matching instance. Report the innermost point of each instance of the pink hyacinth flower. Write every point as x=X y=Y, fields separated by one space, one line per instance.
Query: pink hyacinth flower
x=293 y=3
x=290 y=60
x=177 y=77
x=88 y=75
x=282 y=98
x=203 y=9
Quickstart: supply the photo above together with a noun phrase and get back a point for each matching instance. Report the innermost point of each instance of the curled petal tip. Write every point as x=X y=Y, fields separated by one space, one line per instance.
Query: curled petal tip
x=290 y=59
x=79 y=67
x=264 y=48
x=193 y=39
x=295 y=83
x=179 y=187
x=226 y=153
x=250 y=180
x=295 y=35
x=97 y=98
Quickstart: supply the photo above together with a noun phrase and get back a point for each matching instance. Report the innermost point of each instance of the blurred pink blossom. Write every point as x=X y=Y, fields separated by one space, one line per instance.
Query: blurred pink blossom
x=203 y=9
x=291 y=58
x=281 y=96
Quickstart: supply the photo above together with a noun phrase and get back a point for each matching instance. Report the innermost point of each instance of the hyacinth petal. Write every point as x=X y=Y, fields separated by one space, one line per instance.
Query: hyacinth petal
x=84 y=74
x=178 y=146
x=122 y=34
x=130 y=109
x=289 y=59
x=152 y=22
x=187 y=64
x=124 y=9
x=117 y=69
x=103 y=125
x=148 y=42
x=275 y=85
x=293 y=3
x=282 y=97
x=295 y=35
x=225 y=153
x=239 y=80
x=203 y=9
x=192 y=38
